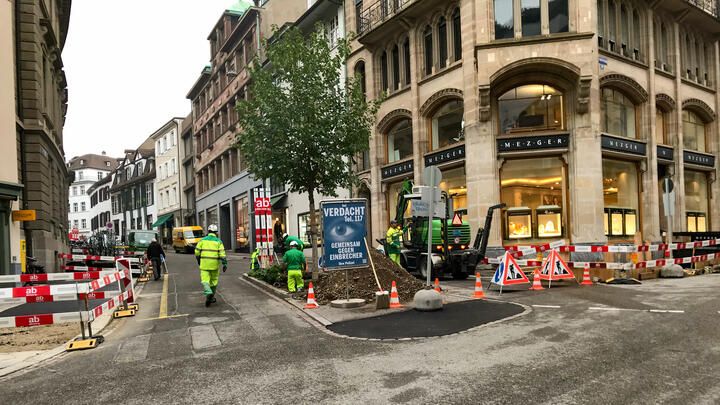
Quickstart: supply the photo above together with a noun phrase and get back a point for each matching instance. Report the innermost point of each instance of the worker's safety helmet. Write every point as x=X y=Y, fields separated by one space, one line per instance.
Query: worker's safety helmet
x=393 y=222
x=293 y=243
x=212 y=228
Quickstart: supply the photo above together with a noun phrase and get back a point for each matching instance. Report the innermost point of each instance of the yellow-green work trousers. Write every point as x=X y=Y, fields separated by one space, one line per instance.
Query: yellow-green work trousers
x=395 y=257
x=209 y=280
x=295 y=280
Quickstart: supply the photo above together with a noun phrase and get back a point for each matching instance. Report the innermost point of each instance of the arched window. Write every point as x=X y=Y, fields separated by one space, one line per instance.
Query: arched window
x=399 y=141
x=384 y=80
x=396 y=67
x=428 y=42
x=447 y=125
x=442 y=42
x=694 y=133
x=532 y=107
x=360 y=75
x=406 y=60
x=457 y=35
x=618 y=113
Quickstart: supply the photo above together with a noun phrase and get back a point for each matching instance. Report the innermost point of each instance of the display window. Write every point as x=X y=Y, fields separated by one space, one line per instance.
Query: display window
x=532 y=107
x=454 y=184
x=696 y=201
x=535 y=195
x=399 y=141
x=304 y=228
x=694 y=133
x=242 y=224
x=618 y=114
x=621 y=197
x=448 y=125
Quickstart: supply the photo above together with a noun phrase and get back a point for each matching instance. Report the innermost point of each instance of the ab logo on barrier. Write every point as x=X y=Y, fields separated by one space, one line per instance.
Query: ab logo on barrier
x=33 y=321
x=509 y=272
x=30 y=291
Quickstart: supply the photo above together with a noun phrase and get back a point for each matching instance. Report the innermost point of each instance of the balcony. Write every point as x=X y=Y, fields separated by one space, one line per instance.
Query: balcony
x=708 y=6
x=372 y=17
x=702 y=14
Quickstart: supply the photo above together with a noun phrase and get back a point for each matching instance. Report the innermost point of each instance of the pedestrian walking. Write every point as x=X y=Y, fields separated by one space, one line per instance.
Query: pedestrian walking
x=156 y=255
x=392 y=241
x=295 y=260
x=210 y=255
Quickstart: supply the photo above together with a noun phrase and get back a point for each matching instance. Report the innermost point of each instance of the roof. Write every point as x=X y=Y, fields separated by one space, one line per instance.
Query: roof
x=240 y=6
x=199 y=83
x=93 y=161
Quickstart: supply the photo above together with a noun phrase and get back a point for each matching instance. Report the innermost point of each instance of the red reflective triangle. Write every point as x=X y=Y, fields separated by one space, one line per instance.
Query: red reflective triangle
x=457 y=219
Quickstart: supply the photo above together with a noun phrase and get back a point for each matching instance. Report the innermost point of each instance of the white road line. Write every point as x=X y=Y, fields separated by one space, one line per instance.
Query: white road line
x=547 y=306
x=669 y=311
x=612 y=309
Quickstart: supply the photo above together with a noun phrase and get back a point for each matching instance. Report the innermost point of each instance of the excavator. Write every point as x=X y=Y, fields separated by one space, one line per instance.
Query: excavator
x=451 y=252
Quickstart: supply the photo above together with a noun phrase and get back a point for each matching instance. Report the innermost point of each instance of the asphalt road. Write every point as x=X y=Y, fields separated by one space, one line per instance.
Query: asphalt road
x=596 y=345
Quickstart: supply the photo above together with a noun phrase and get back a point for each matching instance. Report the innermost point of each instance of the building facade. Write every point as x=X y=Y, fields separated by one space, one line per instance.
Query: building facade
x=34 y=176
x=570 y=112
x=187 y=174
x=132 y=191
x=100 y=205
x=223 y=186
x=168 y=181
x=87 y=170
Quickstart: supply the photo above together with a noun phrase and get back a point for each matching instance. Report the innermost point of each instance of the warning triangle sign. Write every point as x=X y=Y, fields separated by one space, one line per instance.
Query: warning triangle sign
x=457 y=219
x=509 y=272
x=555 y=268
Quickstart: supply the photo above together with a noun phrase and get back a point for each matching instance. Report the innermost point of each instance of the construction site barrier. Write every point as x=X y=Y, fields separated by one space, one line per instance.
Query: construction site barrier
x=134 y=270
x=84 y=289
x=660 y=247
x=621 y=266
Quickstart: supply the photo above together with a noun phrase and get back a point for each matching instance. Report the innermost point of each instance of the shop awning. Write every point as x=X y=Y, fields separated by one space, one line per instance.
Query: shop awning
x=278 y=200
x=160 y=221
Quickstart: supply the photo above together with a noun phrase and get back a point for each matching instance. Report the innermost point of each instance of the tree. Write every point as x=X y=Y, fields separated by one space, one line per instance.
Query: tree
x=301 y=124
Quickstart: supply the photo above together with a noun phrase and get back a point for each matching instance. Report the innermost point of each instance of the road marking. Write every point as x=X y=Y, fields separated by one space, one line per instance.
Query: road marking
x=612 y=309
x=203 y=337
x=163 y=298
x=166 y=317
x=669 y=311
x=547 y=306
x=134 y=349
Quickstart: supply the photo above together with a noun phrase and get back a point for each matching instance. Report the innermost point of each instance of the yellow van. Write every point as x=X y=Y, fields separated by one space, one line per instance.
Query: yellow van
x=184 y=238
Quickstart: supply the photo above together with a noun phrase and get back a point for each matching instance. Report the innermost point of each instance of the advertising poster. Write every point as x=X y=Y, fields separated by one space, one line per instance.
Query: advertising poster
x=344 y=229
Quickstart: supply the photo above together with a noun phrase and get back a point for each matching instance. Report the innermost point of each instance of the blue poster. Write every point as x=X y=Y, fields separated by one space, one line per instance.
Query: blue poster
x=344 y=233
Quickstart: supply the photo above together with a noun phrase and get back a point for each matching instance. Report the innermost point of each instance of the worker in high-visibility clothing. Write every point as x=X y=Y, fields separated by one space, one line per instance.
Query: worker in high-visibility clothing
x=392 y=241
x=255 y=259
x=288 y=239
x=295 y=260
x=210 y=255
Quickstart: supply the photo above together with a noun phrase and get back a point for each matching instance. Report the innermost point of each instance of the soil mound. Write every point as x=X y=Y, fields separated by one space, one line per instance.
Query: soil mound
x=331 y=285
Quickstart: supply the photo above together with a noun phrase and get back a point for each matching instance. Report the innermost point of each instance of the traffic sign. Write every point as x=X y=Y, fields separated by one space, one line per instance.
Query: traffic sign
x=432 y=176
x=457 y=219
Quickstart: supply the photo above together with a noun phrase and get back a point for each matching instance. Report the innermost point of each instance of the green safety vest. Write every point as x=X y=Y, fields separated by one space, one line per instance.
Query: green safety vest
x=392 y=240
x=211 y=252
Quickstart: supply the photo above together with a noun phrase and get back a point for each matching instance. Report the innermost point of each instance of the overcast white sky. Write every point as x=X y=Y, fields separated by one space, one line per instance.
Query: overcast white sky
x=129 y=65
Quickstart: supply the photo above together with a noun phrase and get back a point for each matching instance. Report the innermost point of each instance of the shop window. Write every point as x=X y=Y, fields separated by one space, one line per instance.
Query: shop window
x=504 y=24
x=442 y=42
x=454 y=183
x=457 y=35
x=534 y=192
x=242 y=224
x=399 y=141
x=530 y=17
x=694 y=133
x=661 y=127
x=428 y=42
x=304 y=227
x=558 y=15
x=533 y=107
x=696 y=201
x=618 y=113
x=621 y=198
x=448 y=125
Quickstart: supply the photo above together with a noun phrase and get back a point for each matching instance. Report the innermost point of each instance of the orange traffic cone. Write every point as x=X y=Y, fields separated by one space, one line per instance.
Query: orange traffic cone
x=586 y=276
x=536 y=285
x=311 y=303
x=478 y=287
x=394 y=297
x=437 y=285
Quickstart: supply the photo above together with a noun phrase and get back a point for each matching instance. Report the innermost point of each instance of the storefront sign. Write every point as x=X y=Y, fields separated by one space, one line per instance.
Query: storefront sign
x=263 y=225
x=344 y=231
x=397 y=169
x=525 y=143
x=444 y=156
x=24 y=215
x=698 y=159
x=665 y=153
x=623 y=145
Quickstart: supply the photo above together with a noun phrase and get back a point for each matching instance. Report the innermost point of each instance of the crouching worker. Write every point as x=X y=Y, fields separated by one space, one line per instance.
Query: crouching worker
x=210 y=255
x=295 y=260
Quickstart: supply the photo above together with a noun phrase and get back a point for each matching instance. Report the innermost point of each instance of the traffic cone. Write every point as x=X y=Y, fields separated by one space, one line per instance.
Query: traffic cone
x=394 y=297
x=311 y=303
x=536 y=285
x=586 y=276
x=437 y=285
x=478 y=287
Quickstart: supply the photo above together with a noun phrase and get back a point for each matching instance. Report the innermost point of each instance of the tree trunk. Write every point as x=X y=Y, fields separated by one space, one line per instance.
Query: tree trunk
x=313 y=236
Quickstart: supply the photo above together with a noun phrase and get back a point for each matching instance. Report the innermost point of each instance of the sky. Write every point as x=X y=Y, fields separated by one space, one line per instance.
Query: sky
x=129 y=65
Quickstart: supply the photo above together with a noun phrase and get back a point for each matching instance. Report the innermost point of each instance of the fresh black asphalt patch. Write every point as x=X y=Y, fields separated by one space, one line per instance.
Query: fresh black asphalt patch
x=453 y=318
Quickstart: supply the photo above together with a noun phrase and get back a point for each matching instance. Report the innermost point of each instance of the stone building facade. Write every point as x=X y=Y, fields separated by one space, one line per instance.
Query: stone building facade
x=188 y=172
x=168 y=182
x=132 y=191
x=569 y=111
x=33 y=174
x=87 y=170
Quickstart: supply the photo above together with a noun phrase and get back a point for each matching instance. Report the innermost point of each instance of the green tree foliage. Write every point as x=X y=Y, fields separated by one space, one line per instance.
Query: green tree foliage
x=301 y=125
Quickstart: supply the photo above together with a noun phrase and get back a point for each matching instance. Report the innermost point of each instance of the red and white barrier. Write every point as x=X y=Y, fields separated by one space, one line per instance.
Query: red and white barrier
x=41 y=319
x=95 y=295
x=110 y=304
x=96 y=258
x=95 y=274
x=560 y=245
